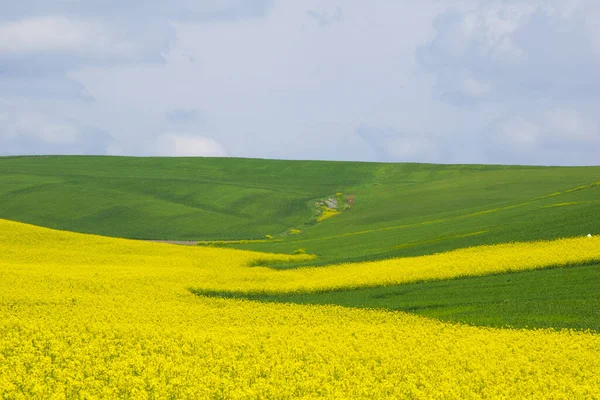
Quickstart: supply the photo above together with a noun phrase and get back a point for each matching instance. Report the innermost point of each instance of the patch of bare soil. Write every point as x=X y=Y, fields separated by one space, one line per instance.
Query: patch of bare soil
x=181 y=242
x=350 y=199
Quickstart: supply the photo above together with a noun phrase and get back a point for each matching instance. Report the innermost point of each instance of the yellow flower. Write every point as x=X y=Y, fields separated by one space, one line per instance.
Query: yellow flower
x=84 y=316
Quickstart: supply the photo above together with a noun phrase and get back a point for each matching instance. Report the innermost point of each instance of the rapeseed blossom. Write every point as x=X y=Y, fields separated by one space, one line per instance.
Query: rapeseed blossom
x=84 y=316
x=474 y=261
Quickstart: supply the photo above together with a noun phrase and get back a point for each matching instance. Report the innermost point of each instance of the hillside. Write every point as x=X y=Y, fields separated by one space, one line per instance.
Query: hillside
x=84 y=316
x=392 y=209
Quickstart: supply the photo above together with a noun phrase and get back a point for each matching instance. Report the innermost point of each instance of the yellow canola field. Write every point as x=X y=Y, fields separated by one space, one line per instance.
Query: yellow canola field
x=481 y=260
x=83 y=316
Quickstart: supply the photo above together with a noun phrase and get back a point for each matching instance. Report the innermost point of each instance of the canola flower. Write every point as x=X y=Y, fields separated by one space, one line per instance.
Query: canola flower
x=474 y=261
x=83 y=316
x=327 y=213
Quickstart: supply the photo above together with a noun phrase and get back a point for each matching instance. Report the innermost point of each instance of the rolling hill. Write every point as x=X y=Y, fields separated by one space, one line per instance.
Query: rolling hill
x=87 y=315
x=391 y=209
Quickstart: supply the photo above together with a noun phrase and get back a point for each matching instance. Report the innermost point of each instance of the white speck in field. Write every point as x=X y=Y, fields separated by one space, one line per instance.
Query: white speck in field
x=589 y=235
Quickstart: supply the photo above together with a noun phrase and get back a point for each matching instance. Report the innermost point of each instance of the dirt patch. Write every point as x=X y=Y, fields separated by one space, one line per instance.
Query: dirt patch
x=180 y=242
x=350 y=199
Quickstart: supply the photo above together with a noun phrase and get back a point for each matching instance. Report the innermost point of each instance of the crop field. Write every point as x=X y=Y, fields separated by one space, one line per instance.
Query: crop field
x=304 y=279
x=388 y=209
x=85 y=316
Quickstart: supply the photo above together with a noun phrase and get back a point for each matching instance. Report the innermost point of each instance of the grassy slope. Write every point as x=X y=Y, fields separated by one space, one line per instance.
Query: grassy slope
x=400 y=209
x=162 y=198
x=451 y=207
x=552 y=298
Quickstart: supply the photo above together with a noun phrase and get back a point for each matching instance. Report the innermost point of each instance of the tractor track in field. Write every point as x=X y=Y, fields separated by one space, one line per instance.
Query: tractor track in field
x=179 y=242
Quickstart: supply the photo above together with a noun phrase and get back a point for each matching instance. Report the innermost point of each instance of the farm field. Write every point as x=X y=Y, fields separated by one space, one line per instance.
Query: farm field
x=395 y=209
x=256 y=200
x=89 y=316
x=310 y=279
x=556 y=298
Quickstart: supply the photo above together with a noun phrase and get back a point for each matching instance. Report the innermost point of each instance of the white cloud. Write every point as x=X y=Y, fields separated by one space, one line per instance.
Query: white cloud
x=188 y=145
x=476 y=88
x=283 y=86
x=58 y=34
x=27 y=132
x=518 y=79
x=520 y=133
x=27 y=124
x=515 y=49
x=392 y=145
x=137 y=9
x=552 y=136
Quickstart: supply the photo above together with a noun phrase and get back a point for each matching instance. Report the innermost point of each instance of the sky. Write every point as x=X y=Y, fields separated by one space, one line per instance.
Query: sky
x=477 y=81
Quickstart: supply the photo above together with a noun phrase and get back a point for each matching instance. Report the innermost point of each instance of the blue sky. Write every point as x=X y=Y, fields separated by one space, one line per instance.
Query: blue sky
x=380 y=80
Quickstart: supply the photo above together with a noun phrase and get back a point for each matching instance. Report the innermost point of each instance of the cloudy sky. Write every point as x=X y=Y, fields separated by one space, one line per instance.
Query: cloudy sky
x=478 y=81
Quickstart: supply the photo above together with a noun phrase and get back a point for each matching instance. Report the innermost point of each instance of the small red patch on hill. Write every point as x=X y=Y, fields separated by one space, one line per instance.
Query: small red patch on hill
x=351 y=199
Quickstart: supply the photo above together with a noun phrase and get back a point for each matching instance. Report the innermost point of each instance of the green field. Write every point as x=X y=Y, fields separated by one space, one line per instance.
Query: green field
x=552 y=298
x=167 y=198
x=398 y=210
x=394 y=210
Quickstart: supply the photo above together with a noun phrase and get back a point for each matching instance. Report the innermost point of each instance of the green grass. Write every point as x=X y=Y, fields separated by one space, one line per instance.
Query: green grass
x=399 y=210
x=460 y=208
x=168 y=198
x=551 y=298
